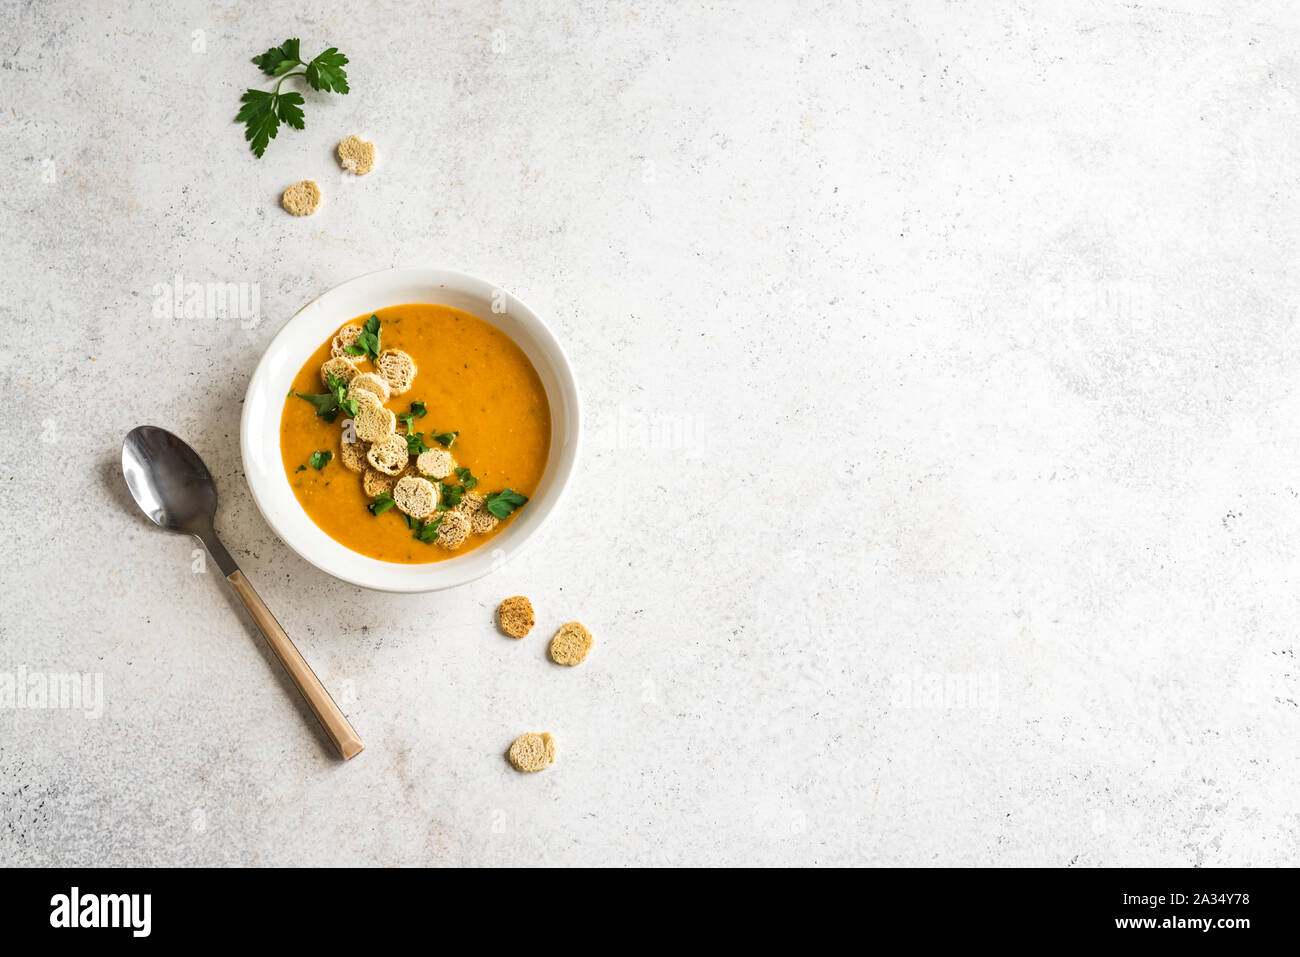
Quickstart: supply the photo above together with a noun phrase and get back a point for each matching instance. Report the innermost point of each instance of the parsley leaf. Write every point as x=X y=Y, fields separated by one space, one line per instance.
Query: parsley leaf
x=418 y=411
x=279 y=60
x=327 y=405
x=445 y=438
x=340 y=389
x=259 y=117
x=301 y=468
x=264 y=110
x=382 y=503
x=415 y=444
x=367 y=344
x=326 y=72
x=450 y=496
x=466 y=476
x=319 y=460
x=288 y=107
x=502 y=503
x=427 y=532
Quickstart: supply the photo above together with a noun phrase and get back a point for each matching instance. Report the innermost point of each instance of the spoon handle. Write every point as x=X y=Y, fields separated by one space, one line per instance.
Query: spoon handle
x=328 y=713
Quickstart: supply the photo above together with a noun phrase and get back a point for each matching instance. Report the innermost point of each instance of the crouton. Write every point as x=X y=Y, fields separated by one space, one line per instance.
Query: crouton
x=357 y=155
x=481 y=521
x=353 y=454
x=375 y=482
x=397 y=368
x=532 y=752
x=389 y=454
x=454 y=530
x=369 y=382
x=571 y=644
x=415 y=496
x=435 y=463
x=346 y=337
x=302 y=198
x=340 y=367
x=515 y=616
x=372 y=421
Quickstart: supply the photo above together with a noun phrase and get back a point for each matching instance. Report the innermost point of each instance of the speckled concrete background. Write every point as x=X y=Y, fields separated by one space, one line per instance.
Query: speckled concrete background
x=940 y=499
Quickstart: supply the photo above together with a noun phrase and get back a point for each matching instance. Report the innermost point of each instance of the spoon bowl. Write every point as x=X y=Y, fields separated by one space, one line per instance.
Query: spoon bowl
x=168 y=480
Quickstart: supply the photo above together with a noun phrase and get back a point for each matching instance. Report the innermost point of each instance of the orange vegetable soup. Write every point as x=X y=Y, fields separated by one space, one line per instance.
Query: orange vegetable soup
x=472 y=378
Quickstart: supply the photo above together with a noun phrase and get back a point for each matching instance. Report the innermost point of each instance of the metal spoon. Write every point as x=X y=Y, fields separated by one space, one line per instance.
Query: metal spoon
x=173 y=487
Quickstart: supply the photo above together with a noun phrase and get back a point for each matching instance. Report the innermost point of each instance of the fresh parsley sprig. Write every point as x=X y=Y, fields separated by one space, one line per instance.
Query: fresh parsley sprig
x=329 y=403
x=382 y=503
x=466 y=477
x=367 y=344
x=319 y=460
x=418 y=411
x=426 y=532
x=502 y=503
x=264 y=110
x=449 y=496
x=340 y=389
x=445 y=438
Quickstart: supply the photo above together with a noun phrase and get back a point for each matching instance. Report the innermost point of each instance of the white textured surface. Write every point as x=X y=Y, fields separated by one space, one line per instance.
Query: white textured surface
x=926 y=340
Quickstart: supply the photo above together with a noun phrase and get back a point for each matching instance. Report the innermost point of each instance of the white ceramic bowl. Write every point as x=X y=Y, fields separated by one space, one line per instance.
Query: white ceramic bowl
x=316 y=321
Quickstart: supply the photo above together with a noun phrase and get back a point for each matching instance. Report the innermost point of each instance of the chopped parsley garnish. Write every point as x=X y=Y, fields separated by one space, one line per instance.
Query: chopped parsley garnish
x=466 y=477
x=319 y=460
x=382 y=503
x=366 y=344
x=502 y=503
x=449 y=496
x=328 y=403
x=339 y=388
x=418 y=411
x=427 y=532
x=445 y=438
x=301 y=468
x=415 y=444
x=264 y=110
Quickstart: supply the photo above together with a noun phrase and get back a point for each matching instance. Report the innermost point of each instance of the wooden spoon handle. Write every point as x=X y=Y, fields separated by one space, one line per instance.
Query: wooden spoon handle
x=331 y=718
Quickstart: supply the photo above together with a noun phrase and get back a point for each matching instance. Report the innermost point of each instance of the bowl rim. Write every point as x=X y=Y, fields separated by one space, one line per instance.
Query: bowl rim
x=295 y=528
